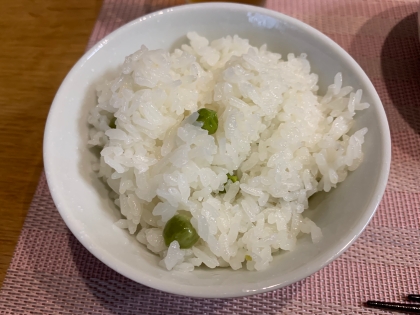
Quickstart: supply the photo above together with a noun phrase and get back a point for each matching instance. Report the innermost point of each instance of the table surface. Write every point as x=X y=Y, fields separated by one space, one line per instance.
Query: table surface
x=41 y=40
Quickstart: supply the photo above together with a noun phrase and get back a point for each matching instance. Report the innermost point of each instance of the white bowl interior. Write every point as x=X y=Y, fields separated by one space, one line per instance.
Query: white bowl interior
x=82 y=199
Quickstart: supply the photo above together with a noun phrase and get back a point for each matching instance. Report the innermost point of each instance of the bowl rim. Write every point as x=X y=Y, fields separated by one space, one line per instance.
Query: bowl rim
x=202 y=291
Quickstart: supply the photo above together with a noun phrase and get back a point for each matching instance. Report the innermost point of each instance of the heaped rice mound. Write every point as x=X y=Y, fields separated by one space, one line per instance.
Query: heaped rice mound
x=281 y=140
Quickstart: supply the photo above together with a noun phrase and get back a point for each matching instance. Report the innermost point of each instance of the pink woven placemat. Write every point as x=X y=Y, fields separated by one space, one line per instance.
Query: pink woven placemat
x=52 y=273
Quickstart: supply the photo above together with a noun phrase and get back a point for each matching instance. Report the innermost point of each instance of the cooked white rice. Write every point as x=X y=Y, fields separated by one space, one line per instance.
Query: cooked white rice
x=284 y=141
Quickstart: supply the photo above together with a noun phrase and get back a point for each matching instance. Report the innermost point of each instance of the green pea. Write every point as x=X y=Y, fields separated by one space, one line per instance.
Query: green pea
x=209 y=119
x=233 y=178
x=112 y=123
x=179 y=228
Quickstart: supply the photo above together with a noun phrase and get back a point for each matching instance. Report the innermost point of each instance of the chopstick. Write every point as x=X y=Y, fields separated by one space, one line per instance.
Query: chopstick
x=412 y=308
x=413 y=297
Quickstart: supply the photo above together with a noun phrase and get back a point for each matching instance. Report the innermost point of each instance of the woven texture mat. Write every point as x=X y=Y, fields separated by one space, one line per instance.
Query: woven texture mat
x=52 y=273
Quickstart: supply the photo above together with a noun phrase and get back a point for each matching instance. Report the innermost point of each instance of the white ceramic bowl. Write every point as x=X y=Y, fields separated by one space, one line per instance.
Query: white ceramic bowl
x=82 y=199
